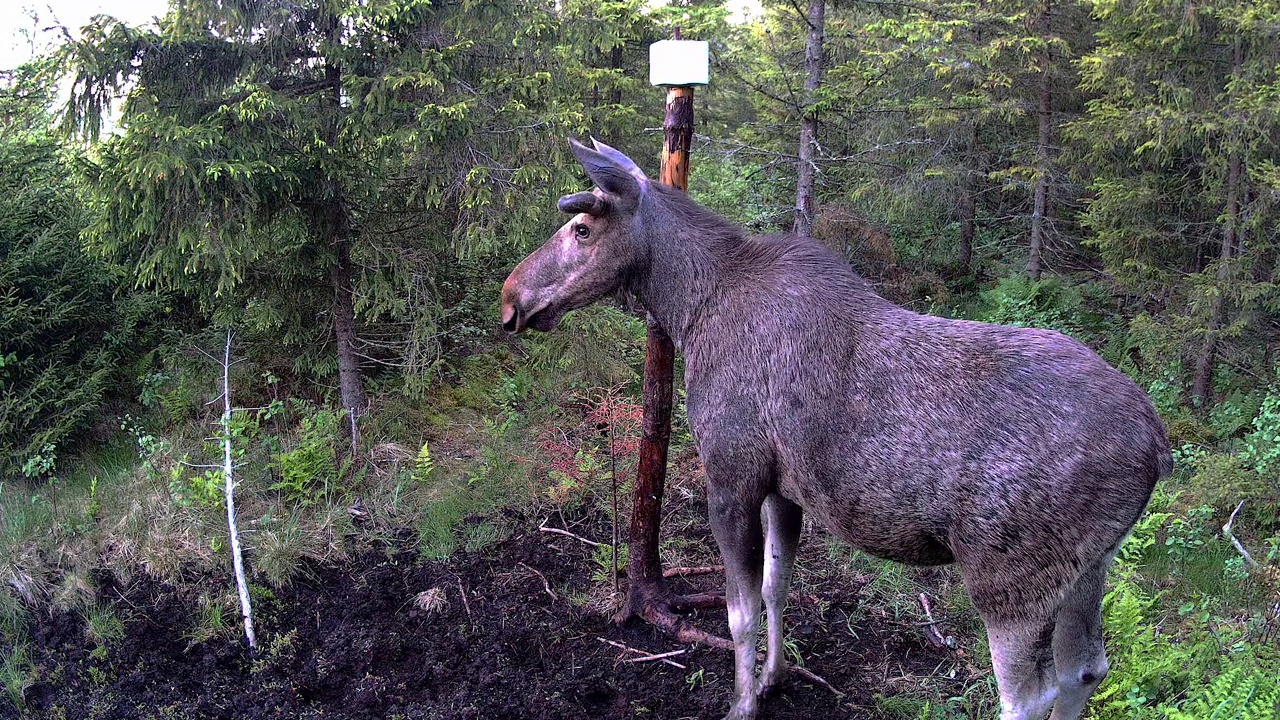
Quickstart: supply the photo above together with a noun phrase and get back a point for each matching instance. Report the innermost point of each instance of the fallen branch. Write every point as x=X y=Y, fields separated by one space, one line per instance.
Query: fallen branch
x=545 y=585
x=1226 y=531
x=659 y=656
x=815 y=679
x=931 y=631
x=691 y=571
x=646 y=656
x=566 y=533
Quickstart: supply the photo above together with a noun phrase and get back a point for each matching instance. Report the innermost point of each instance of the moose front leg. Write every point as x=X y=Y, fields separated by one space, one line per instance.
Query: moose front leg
x=735 y=521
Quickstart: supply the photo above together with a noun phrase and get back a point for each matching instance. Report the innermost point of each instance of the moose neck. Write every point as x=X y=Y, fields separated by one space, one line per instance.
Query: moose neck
x=679 y=280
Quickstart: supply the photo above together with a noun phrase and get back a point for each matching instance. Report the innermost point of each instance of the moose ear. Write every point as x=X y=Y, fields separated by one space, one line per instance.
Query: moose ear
x=608 y=175
x=583 y=202
x=622 y=160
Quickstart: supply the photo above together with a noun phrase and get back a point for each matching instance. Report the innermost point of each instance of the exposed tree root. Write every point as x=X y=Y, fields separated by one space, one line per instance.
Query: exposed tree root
x=660 y=607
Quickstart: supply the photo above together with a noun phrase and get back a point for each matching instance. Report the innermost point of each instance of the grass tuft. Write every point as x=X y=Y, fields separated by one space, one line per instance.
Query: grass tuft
x=280 y=552
x=102 y=625
x=16 y=673
x=13 y=614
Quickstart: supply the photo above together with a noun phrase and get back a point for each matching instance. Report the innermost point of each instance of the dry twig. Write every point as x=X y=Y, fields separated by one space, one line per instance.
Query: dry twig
x=545 y=585
x=1226 y=531
x=646 y=656
x=465 y=604
x=816 y=679
x=691 y=571
x=566 y=533
x=931 y=628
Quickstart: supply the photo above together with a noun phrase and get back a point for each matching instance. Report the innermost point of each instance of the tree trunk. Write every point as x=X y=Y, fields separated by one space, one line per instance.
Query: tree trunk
x=338 y=232
x=969 y=205
x=647 y=592
x=1044 y=137
x=968 y=224
x=350 y=385
x=1202 y=383
x=807 y=170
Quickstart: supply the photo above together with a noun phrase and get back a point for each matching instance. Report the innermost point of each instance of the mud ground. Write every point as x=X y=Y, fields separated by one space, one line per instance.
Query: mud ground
x=352 y=640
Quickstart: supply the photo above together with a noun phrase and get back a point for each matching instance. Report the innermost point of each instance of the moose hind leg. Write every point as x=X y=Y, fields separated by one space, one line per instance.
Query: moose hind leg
x=1078 y=651
x=1023 y=660
x=782 y=535
x=735 y=522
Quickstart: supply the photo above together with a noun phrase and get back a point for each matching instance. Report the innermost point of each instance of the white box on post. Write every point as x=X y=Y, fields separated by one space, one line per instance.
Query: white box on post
x=677 y=63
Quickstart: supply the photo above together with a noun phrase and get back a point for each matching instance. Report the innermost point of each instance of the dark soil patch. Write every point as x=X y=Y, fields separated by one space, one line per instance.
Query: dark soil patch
x=351 y=642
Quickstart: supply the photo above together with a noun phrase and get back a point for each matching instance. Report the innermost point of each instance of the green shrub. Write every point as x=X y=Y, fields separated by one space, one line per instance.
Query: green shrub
x=1176 y=638
x=1262 y=445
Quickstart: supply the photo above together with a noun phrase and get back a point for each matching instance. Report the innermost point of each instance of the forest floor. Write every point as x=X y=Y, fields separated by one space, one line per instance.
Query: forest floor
x=358 y=639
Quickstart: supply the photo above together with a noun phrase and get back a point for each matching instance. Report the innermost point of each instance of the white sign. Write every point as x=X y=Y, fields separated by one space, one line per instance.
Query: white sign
x=679 y=62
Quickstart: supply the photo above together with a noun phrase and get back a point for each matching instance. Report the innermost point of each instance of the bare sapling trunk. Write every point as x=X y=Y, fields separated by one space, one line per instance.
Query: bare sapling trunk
x=806 y=172
x=237 y=557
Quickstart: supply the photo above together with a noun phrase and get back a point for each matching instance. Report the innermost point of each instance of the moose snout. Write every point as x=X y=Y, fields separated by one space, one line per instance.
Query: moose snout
x=511 y=306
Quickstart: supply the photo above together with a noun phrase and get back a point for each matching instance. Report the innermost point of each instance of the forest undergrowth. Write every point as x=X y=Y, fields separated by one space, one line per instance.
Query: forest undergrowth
x=543 y=432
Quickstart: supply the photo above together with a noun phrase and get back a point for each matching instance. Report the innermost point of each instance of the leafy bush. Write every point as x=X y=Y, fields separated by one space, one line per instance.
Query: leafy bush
x=1262 y=446
x=1237 y=694
x=65 y=332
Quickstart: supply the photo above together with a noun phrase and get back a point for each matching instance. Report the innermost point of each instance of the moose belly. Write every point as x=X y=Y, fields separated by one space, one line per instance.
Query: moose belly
x=889 y=530
x=913 y=548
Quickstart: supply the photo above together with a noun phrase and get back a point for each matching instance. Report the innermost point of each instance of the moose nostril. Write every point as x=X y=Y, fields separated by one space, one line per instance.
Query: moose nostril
x=511 y=318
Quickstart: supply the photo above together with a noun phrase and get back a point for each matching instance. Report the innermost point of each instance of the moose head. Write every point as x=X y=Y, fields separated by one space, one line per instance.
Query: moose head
x=590 y=256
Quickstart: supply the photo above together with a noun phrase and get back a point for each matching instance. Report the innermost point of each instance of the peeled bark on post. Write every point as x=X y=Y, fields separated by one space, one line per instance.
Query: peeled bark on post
x=647 y=593
x=806 y=172
x=237 y=557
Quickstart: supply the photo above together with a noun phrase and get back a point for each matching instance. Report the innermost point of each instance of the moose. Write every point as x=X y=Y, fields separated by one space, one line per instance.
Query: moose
x=1016 y=453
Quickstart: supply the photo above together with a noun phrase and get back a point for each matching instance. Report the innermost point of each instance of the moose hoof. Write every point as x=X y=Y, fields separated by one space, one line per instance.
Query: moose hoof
x=774 y=683
x=744 y=709
x=768 y=692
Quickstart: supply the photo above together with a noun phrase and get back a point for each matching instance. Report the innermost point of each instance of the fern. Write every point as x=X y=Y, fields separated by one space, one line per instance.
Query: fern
x=423 y=465
x=1236 y=694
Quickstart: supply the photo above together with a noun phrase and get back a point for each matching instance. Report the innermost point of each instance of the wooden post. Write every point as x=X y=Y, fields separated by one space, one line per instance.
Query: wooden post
x=646 y=590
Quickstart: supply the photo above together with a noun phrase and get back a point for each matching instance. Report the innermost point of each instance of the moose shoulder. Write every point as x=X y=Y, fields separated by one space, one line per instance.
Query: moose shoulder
x=1016 y=453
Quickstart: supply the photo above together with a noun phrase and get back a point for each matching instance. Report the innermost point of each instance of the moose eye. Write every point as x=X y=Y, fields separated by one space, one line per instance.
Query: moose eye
x=582 y=232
